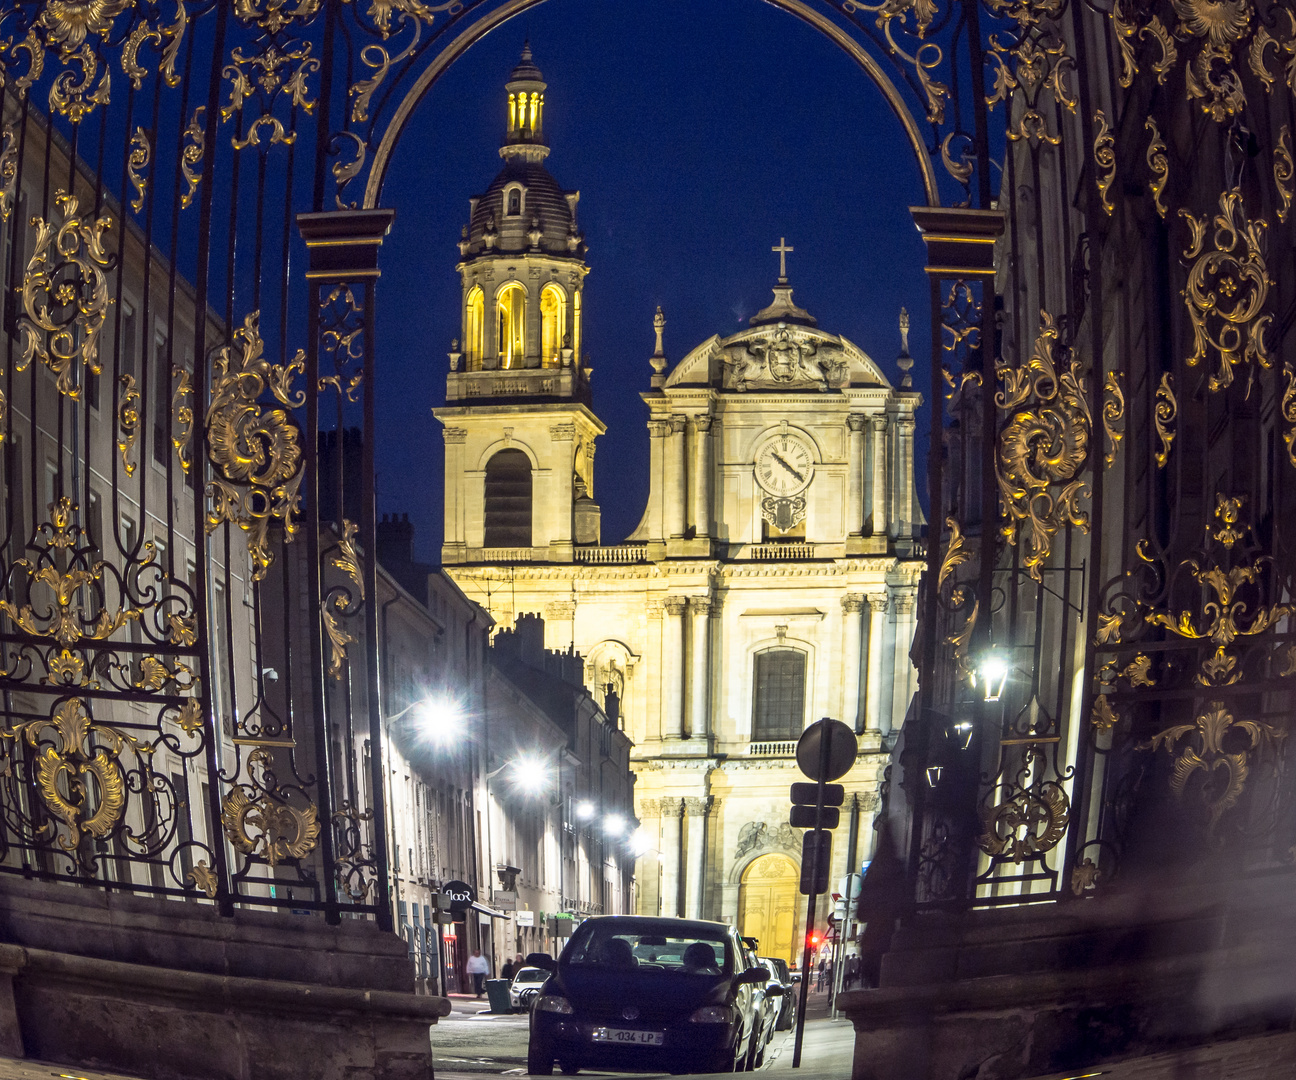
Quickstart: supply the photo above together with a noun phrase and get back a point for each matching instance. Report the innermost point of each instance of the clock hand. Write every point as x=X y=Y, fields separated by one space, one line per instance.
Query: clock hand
x=775 y=455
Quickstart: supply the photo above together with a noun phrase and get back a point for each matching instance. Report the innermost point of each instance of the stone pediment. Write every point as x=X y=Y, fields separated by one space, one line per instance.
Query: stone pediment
x=777 y=357
x=785 y=357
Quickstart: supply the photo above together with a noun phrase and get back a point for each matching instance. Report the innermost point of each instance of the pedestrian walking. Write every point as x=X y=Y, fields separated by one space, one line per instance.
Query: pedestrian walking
x=508 y=970
x=478 y=968
x=819 y=984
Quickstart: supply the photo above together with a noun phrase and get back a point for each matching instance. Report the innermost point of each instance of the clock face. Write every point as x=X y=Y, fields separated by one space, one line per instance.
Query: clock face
x=784 y=466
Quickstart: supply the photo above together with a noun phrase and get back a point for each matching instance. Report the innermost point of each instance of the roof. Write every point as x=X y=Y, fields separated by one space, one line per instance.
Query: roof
x=544 y=202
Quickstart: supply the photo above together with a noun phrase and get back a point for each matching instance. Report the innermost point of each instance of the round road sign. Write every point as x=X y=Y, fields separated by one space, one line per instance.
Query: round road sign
x=842 y=749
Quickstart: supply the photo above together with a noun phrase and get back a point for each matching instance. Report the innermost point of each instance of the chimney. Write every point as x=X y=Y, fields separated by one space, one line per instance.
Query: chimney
x=395 y=541
x=529 y=629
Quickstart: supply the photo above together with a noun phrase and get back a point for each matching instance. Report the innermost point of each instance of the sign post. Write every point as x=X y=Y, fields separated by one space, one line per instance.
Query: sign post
x=825 y=751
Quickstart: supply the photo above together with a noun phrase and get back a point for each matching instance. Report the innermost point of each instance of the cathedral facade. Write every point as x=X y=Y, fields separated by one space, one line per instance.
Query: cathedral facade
x=772 y=579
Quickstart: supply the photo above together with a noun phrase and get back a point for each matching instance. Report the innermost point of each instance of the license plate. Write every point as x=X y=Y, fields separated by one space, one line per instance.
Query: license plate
x=627 y=1035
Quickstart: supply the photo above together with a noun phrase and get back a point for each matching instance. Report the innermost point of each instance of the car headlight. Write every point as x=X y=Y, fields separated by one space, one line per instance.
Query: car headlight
x=712 y=1014
x=554 y=1004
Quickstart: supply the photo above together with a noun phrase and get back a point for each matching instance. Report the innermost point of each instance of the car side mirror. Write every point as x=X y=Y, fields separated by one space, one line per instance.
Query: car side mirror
x=753 y=976
x=541 y=960
x=775 y=991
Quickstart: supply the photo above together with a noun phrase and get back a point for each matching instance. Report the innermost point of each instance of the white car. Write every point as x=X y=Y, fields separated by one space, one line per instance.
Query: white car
x=527 y=979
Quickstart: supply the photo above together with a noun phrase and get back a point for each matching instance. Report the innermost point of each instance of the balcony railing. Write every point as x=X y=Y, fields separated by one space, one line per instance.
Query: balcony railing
x=785 y=748
x=605 y=556
x=782 y=552
x=504 y=555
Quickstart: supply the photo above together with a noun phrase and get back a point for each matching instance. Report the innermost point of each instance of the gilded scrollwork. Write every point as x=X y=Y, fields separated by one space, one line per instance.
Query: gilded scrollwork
x=255 y=449
x=1104 y=153
x=1159 y=166
x=146 y=31
x=8 y=172
x=1044 y=444
x=1288 y=410
x=1164 y=412
x=65 y=296
x=1283 y=170
x=260 y=820
x=182 y=417
x=1102 y=715
x=1226 y=290
x=140 y=153
x=78 y=770
x=1202 y=746
x=273 y=15
x=1113 y=414
x=128 y=422
x=1027 y=824
x=77 y=98
x=270 y=74
x=192 y=155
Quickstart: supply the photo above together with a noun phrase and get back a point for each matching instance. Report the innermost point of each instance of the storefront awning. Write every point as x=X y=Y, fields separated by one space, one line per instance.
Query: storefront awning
x=478 y=906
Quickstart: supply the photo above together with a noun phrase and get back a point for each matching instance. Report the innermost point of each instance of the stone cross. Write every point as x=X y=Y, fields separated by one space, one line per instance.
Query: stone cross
x=782 y=250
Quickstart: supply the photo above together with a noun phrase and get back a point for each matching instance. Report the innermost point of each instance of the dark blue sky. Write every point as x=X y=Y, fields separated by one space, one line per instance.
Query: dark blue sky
x=698 y=133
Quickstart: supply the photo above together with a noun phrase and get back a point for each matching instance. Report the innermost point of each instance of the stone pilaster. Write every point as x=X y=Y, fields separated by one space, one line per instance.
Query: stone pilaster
x=672 y=681
x=881 y=493
x=855 y=463
x=696 y=810
x=702 y=475
x=700 y=669
x=672 y=820
x=852 y=604
x=901 y=689
x=877 y=631
x=676 y=479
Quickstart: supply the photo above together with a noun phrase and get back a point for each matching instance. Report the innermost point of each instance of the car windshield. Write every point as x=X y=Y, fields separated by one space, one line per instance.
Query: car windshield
x=620 y=948
x=780 y=968
x=531 y=975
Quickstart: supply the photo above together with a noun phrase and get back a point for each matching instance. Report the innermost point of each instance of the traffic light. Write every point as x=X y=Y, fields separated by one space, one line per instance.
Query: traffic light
x=803 y=806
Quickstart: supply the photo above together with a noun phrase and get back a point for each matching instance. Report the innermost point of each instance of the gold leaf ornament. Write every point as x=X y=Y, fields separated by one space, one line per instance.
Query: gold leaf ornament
x=1102 y=715
x=192 y=155
x=1113 y=414
x=1165 y=410
x=1227 y=288
x=128 y=422
x=256 y=450
x=65 y=343
x=70 y=22
x=1026 y=825
x=204 y=878
x=1160 y=166
x=263 y=826
x=1104 y=153
x=1288 y=410
x=1044 y=444
x=140 y=153
x=1283 y=169
x=75 y=98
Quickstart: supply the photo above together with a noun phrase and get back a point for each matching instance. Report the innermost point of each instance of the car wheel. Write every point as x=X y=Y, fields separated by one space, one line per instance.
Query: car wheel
x=540 y=1061
x=749 y=1062
x=569 y=1067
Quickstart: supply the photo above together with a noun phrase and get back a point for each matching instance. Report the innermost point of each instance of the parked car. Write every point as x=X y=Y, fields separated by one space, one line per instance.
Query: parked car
x=771 y=1001
x=787 y=1003
x=525 y=987
x=633 y=994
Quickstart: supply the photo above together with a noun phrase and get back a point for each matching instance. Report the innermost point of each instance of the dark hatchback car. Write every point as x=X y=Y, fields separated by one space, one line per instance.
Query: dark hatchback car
x=631 y=994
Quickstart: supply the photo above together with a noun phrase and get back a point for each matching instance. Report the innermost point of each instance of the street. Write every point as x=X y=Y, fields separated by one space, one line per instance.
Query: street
x=471 y=1042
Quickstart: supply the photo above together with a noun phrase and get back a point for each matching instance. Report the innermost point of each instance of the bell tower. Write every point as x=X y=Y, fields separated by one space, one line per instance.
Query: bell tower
x=519 y=432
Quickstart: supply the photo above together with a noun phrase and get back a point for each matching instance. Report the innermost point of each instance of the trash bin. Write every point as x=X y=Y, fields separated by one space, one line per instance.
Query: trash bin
x=497 y=992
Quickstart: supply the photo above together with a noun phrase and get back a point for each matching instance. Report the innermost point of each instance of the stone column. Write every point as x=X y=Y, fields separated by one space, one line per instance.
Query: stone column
x=676 y=478
x=900 y=684
x=904 y=512
x=852 y=604
x=855 y=490
x=697 y=809
x=456 y=505
x=672 y=813
x=700 y=669
x=657 y=471
x=878 y=507
x=672 y=682
x=873 y=692
x=702 y=475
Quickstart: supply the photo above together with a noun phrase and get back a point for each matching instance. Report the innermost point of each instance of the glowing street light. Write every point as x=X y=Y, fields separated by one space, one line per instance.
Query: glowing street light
x=438 y=719
x=614 y=825
x=584 y=810
x=993 y=672
x=530 y=773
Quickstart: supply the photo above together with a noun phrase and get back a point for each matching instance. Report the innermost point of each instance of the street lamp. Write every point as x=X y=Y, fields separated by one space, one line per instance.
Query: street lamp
x=584 y=810
x=993 y=672
x=614 y=825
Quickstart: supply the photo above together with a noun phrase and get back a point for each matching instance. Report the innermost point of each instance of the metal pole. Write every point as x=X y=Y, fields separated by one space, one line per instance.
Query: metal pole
x=824 y=748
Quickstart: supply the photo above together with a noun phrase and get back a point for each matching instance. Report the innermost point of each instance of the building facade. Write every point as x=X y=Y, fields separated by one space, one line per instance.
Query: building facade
x=771 y=581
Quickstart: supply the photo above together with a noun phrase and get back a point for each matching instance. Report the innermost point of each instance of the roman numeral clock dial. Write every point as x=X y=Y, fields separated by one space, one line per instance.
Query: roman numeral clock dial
x=784 y=468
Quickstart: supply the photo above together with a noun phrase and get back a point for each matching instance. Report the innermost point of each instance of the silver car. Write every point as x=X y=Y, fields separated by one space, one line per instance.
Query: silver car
x=526 y=982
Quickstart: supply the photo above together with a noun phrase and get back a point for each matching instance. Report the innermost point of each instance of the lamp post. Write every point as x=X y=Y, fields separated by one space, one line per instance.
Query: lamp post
x=441 y=718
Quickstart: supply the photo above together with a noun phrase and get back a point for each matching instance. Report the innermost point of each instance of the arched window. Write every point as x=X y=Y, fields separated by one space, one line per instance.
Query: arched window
x=778 y=702
x=474 y=328
x=553 y=318
x=576 y=328
x=515 y=202
x=508 y=500
x=510 y=307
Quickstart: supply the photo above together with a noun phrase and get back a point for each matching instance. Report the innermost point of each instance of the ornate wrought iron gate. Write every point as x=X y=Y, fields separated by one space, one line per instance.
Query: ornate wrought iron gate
x=190 y=193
